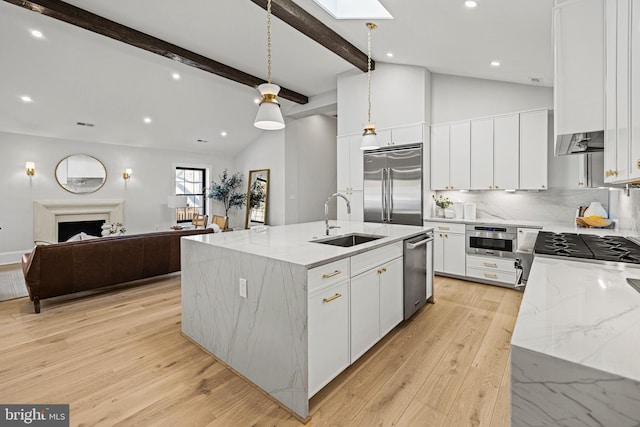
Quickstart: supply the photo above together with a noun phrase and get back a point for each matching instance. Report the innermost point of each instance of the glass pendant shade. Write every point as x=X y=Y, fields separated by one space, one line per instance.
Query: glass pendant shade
x=269 y=116
x=369 y=139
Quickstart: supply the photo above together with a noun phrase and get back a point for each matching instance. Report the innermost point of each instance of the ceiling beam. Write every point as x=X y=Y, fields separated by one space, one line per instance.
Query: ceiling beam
x=307 y=24
x=89 y=21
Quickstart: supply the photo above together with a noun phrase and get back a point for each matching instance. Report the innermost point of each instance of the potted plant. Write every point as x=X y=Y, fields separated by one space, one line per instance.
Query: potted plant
x=442 y=203
x=226 y=192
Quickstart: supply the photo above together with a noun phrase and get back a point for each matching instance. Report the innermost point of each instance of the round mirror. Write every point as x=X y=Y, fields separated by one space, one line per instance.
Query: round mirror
x=81 y=174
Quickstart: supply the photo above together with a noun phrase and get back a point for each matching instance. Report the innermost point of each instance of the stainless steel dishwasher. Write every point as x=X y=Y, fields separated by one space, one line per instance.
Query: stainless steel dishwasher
x=415 y=272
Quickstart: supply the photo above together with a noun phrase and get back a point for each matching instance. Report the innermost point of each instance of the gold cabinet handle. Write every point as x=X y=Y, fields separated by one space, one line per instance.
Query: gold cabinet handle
x=580 y=184
x=491 y=275
x=446 y=235
x=382 y=270
x=638 y=164
x=491 y=264
x=335 y=273
x=440 y=234
x=497 y=187
x=443 y=227
x=336 y=296
x=543 y=186
x=519 y=231
x=491 y=186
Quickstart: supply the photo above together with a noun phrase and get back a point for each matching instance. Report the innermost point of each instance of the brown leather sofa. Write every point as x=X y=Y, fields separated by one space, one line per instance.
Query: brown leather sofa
x=65 y=268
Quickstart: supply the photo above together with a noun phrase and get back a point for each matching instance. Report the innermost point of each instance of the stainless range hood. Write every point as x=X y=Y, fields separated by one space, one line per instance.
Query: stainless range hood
x=579 y=143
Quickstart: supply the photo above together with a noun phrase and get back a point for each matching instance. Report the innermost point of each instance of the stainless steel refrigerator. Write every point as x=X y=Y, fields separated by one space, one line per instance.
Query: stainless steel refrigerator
x=393 y=185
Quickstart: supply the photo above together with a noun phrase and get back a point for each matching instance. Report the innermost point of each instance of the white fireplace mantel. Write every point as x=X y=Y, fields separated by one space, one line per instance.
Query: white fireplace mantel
x=47 y=215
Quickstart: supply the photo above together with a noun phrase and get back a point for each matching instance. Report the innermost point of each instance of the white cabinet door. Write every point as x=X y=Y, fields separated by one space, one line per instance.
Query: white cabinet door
x=440 y=157
x=407 y=134
x=460 y=156
x=610 y=129
x=482 y=154
x=454 y=255
x=634 y=169
x=356 y=198
x=328 y=334
x=384 y=137
x=365 y=312
x=533 y=149
x=356 y=159
x=579 y=70
x=622 y=92
x=438 y=252
x=506 y=149
x=391 y=295
x=343 y=164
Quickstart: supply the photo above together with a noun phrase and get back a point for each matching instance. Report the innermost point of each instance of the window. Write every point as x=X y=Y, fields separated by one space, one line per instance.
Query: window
x=190 y=182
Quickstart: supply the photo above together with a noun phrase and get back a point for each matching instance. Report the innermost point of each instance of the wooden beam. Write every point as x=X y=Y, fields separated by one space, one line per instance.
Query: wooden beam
x=89 y=21
x=307 y=24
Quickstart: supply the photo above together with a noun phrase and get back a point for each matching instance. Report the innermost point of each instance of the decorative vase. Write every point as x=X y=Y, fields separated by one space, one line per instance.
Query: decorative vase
x=595 y=209
x=439 y=212
x=106 y=229
x=449 y=213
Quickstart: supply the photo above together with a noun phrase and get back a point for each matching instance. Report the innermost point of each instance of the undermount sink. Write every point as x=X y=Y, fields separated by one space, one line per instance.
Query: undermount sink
x=348 y=240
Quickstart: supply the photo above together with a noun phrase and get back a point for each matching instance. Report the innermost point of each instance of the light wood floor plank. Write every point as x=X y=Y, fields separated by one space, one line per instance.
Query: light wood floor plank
x=117 y=356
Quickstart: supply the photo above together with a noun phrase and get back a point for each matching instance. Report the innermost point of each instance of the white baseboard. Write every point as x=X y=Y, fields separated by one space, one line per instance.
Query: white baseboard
x=12 y=257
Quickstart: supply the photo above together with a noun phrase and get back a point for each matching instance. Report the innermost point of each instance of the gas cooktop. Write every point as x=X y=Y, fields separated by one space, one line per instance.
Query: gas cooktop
x=588 y=246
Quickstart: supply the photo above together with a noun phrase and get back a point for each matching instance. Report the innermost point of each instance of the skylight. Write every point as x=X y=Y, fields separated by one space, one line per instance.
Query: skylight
x=355 y=9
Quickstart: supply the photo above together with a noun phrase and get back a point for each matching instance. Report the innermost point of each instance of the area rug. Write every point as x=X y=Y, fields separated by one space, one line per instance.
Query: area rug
x=12 y=285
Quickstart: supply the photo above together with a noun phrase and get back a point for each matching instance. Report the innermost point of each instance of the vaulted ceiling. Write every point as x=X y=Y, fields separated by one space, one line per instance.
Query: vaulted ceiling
x=73 y=75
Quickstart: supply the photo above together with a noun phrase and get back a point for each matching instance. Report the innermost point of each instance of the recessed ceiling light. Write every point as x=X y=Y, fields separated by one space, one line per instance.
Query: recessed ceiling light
x=175 y=76
x=147 y=119
x=390 y=54
x=495 y=63
x=470 y=4
x=223 y=133
x=26 y=98
x=37 y=34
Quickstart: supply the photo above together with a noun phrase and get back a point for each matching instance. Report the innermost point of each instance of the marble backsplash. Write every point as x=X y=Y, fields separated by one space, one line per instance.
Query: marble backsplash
x=626 y=208
x=549 y=206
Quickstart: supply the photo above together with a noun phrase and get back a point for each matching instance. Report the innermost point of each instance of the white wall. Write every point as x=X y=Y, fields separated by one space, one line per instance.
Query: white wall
x=145 y=195
x=310 y=152
x=460 y=98
x=266 y=152
x=399 y=96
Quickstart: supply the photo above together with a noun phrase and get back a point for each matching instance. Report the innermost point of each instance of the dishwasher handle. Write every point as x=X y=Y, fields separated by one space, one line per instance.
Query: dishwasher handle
x=420 y=243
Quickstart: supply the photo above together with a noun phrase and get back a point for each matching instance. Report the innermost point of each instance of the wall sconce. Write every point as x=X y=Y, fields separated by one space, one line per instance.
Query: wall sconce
x=127 y=174
x=30 y=168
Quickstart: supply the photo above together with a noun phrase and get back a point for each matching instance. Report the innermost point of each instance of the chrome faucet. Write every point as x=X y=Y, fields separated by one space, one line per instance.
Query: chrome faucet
x=326 y=210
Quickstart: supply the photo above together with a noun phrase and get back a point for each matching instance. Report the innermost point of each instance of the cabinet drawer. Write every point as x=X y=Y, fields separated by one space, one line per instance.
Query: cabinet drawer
x=490 y=263
x=328 y=274
x=493 y=275
x=451 y=227
x=367 y=260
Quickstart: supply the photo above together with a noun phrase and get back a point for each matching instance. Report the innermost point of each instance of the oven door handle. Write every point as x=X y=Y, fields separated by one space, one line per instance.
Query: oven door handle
x=420 y=243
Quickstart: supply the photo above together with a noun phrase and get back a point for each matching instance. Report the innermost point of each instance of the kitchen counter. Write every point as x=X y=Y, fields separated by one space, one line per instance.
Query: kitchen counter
x=293 y=243
x=505 y=222
x=574 y=347
x=245 y=297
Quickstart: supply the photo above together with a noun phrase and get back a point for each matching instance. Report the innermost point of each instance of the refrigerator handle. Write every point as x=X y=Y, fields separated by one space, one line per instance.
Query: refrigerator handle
x=390 y=194
x=384 y=196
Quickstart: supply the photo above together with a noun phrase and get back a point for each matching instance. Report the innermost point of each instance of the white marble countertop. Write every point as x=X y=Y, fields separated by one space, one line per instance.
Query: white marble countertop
x=582 y=312
x=556 y=227
x=293 y=243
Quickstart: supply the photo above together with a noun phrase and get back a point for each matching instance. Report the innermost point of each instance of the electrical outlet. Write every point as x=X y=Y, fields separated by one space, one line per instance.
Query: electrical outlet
x=242 y=287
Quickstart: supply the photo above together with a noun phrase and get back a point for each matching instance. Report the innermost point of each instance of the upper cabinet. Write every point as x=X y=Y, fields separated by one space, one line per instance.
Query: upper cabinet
x=622 y=112
x=495 y=153
x=578 y=67
x=400 y=135
x=534 y=131
x=451 y=156
x=349 y=163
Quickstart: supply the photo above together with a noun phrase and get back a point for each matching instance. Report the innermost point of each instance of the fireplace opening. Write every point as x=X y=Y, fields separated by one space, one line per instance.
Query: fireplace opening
x=66 y=230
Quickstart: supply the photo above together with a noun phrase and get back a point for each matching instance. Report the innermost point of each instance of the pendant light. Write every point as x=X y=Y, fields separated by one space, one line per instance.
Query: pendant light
x=369 y=140
x=269 y=116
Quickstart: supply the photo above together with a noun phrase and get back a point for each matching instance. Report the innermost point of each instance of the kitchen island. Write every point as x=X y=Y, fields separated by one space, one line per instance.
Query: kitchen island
x=574 y=350
x=245 y=297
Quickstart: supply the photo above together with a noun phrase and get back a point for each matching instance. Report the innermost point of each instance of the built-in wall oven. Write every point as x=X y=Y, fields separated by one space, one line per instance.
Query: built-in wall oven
x=491 y=240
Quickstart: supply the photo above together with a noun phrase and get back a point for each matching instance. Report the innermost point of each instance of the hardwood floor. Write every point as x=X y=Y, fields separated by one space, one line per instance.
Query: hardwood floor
x=118 y=358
